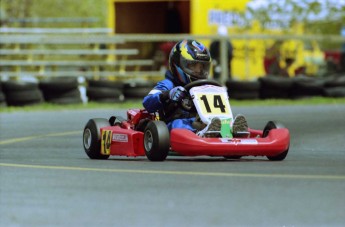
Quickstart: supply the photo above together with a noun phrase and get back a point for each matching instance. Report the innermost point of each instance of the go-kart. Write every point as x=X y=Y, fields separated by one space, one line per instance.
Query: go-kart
x=142 y=133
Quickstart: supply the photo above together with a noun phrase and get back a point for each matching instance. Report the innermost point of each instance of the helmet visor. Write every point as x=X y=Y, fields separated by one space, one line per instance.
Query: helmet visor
x=195 y=68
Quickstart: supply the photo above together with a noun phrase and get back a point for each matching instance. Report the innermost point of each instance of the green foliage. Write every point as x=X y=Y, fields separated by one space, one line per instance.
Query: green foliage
x=324 y=17
x=57 y=9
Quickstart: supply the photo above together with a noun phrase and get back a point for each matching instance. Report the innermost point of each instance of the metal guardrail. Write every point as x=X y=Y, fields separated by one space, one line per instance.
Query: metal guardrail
x=60 y=39
x=7 y=30
x=122 y=38
x=120 y=74
x=143 y=62
x=6 y=38
x=68 y=52
x=53 y=20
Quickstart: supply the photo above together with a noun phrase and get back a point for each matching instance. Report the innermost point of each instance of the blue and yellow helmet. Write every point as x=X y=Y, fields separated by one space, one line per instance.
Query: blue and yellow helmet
x=189 y=60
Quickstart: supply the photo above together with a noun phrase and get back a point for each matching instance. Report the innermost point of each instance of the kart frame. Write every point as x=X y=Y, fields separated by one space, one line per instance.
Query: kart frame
x=142 y=134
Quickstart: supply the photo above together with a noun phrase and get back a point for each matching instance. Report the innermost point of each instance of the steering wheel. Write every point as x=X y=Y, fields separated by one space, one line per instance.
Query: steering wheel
x=200 y=83
x=186 y=103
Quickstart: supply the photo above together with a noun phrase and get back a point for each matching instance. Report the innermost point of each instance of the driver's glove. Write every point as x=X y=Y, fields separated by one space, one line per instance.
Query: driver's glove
x=177 y=93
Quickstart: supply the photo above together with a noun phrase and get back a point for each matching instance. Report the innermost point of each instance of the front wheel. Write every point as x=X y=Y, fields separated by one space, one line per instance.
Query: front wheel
x=274 y=125
x=156 y=141
x=92 y=138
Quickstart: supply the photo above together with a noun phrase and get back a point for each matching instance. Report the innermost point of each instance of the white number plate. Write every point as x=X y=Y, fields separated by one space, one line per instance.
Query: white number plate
x=211 y=101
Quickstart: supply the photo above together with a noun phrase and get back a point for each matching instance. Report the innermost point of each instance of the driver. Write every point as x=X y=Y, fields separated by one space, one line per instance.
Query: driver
x=189 y=60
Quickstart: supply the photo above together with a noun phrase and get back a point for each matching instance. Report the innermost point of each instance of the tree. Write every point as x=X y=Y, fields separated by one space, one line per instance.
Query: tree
x=319 y=17
x=17 y=9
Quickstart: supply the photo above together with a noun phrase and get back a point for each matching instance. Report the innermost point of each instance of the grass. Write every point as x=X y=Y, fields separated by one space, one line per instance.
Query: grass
x=137 y=104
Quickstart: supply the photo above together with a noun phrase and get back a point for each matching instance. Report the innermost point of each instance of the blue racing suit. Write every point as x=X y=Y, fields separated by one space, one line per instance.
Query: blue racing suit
x=170 y=112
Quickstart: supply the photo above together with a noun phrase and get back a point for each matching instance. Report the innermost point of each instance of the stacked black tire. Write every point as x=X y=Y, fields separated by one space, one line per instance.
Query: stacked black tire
x=61 y=90
x=67 y=91
x=306 y=87
x=335 y=86
x=275 y=87
x=138 y=89
x=104 y=91
x=20 y=93
x=2 y=97
x=272 y=87
x=243 y=89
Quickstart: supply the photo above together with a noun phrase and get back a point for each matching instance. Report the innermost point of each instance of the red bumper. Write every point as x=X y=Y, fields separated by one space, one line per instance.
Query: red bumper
x=188 y=143
x=125 y=142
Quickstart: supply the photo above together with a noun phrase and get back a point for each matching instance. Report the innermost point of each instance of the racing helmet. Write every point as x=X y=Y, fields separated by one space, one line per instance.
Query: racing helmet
x=189 y=60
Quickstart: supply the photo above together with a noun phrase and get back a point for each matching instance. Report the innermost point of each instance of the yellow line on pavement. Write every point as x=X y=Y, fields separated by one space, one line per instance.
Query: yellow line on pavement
x=187 y=173
x=23 y=139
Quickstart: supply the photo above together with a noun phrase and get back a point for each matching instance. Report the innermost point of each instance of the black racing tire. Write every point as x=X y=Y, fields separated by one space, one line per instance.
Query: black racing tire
x=14 y=86
x=92 y=138
x=137 y=93
x=139 y=84
x=64 y=97
x=281 y=83
x=273 y=87
x=338 y=81
x=243 y=89
x=306 y=87
x=74 y=93
x=137 y=89
x=273 y=93
x=56 y=85
x=105 y=84
x=107 y=100
x=22 y=98
x=66 y=100
x=274 y=125
x=335 y=92
x=156 y=141
x=94 y=93
x=2 y=97
x=243 y=95
x=245 y=86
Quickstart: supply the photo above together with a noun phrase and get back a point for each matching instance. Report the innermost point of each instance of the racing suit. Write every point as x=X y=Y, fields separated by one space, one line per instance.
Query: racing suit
x=170 y=112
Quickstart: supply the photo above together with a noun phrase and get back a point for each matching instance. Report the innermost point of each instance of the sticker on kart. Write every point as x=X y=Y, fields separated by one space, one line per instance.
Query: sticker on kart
x=123 y=138
x=106 y=142
x=239 y=141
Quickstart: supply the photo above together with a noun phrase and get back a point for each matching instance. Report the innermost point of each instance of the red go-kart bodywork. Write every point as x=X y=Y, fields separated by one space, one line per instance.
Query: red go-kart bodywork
x=142 y=134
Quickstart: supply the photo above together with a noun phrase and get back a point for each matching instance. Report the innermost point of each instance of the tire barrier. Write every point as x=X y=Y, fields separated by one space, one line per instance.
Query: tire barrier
x=243 y=89
x=104 y=91
x=274 y=87
x=137 y=89
x=2 y=97
x=19 y=93
x=304 y=87
x=66 y=90
x=335 y=87
x=61 y=90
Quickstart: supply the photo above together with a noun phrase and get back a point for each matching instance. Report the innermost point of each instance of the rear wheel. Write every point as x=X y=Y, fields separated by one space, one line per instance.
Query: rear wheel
x=156 y=141
x=92 y=138
x=274 y=125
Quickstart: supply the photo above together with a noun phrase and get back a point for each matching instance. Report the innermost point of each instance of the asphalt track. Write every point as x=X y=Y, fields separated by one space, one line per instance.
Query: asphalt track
x=47 y=180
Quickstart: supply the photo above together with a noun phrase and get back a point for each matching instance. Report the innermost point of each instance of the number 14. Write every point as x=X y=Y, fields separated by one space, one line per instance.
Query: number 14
x=217 y=103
